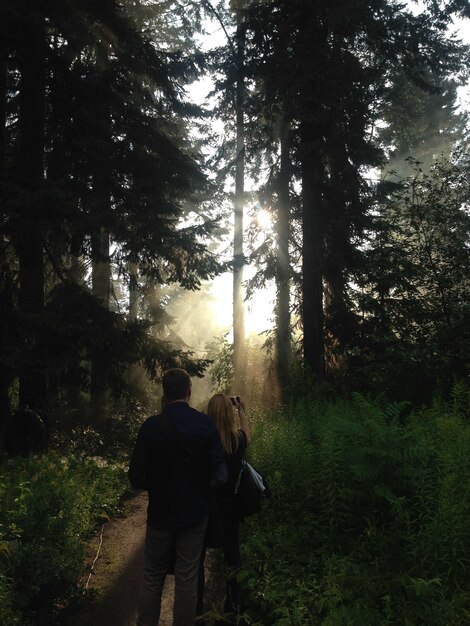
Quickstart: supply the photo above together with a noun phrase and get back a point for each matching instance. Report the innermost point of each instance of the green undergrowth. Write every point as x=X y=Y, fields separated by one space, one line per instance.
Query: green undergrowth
x=369 y=521
x=49 y=505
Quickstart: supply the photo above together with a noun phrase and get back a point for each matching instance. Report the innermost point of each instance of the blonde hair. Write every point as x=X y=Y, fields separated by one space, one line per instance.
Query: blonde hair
x=220 y=409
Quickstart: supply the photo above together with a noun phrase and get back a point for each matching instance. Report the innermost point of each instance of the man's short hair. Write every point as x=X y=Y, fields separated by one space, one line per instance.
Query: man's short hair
x=176 y=384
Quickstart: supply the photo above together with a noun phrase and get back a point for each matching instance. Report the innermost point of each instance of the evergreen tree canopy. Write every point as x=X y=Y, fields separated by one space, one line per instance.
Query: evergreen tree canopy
x=103 y=114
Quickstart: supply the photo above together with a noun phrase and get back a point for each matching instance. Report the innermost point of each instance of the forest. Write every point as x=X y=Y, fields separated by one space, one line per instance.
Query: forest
x=316 y=155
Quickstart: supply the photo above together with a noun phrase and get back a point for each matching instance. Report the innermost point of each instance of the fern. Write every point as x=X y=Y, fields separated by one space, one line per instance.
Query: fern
x=460 y=395
x=369 y=514
x=393 y=411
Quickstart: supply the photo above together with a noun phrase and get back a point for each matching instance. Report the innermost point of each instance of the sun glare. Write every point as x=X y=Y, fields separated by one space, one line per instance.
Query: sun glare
x=258 y=310
x=263 y=219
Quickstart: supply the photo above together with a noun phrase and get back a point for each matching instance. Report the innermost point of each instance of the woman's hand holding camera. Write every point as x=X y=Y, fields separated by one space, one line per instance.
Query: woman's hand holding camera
x=238 y=402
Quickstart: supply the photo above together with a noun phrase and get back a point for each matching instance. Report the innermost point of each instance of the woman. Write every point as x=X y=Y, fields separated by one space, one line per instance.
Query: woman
x=228 y=414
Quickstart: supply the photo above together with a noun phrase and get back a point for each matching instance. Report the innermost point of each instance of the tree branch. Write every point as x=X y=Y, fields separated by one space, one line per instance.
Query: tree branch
x=214 y=11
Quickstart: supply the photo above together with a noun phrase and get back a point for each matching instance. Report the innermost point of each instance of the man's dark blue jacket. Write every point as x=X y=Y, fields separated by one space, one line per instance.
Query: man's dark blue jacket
x=178 y=469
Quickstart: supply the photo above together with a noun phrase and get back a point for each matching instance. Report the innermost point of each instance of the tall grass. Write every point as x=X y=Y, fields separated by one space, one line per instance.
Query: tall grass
x=369 y=522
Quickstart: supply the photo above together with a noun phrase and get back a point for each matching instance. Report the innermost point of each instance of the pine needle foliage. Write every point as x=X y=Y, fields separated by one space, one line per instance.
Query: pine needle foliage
x=368 y=523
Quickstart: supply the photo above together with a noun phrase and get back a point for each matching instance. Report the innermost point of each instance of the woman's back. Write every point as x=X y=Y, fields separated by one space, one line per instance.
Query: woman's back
x=226 y=493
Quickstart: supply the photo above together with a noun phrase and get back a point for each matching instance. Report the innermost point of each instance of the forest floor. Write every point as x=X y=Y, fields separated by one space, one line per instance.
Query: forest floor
x=115 y=580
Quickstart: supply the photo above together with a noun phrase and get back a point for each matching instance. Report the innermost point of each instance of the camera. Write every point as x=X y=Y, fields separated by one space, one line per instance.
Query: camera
x=235 y=400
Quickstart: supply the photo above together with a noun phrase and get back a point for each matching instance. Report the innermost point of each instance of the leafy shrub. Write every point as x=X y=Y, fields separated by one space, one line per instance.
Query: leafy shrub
x=111 y=439
x=48 y=505
x=8 y=616
x=368 y=523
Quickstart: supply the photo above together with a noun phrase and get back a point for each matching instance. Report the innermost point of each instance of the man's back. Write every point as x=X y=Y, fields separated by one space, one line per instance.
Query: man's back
x=176 y=462
x=178 y=456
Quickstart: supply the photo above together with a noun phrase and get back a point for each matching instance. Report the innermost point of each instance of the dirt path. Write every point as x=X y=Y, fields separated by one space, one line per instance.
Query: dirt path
x=117 y=573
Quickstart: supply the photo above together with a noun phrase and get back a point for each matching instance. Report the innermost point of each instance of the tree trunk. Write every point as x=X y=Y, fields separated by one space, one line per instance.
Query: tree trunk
x=56 y=159
x=155 y=308
x=32 y=58
x=283 y=333
x=5 y=290
x=101 y=268
x=3 y=102
x=343 y=210
x=101 y=265
x=312 y=252
x=76 y=275
x=239 y=348
x=101 y=288
x=133 y=292
x=76 y=262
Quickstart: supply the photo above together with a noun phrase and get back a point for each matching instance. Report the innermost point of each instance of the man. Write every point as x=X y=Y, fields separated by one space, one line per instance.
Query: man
x=178 y=458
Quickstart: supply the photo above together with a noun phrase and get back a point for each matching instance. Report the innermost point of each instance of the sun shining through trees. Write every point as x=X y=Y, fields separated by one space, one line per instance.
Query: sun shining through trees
x=157 y=157
x=264 y=219
x=258 y=309
x=259 y=304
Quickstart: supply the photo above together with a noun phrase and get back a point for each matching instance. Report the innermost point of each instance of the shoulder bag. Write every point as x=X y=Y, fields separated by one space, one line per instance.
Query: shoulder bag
x=250 y=488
